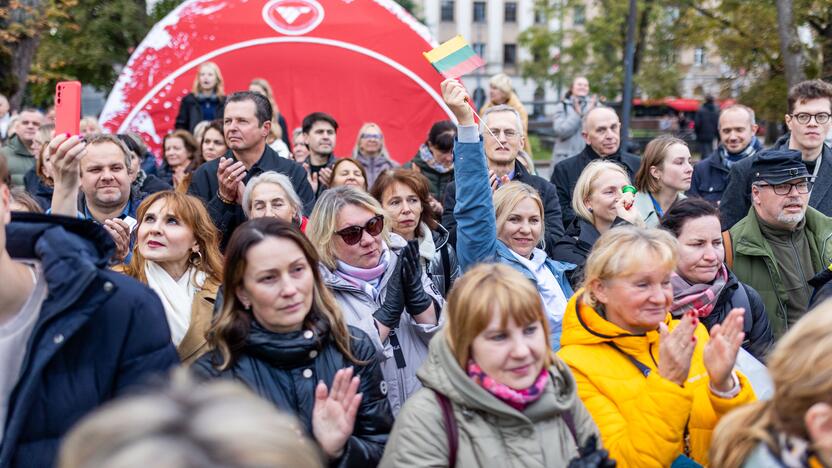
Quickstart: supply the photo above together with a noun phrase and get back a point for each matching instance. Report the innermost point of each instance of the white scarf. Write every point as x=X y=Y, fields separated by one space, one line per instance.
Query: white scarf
x=177 y=296
x=554 y=299
x=427 y=248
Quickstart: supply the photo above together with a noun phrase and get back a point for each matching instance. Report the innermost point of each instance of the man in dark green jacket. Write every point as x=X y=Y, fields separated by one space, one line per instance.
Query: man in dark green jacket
x=18 y=150
x=782 y=242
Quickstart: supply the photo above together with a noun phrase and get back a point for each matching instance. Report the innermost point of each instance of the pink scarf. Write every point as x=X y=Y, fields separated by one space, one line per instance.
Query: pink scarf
x=700 y=298
x=517 y=399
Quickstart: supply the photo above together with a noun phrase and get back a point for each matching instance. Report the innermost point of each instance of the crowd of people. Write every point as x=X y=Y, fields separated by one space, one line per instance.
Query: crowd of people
x=250 y=299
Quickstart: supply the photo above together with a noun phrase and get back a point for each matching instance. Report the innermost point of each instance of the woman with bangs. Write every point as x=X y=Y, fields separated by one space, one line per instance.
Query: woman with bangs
x=282 y=334
x=494 y=393
x=379 y=282
x=206 y=101
x=177 y=256
x=503 y=225
x=656 y=386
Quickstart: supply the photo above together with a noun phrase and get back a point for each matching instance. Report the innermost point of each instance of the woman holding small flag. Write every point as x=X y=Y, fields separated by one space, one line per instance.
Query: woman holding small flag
x=508 y=227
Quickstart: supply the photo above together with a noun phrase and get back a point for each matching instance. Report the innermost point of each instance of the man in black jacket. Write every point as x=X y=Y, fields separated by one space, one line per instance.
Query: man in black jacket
x=73 y=334
x=737 y=128
x=705 y=124
x=808 y=119
x=505 y=123
x=221 y=182
x=602 y=133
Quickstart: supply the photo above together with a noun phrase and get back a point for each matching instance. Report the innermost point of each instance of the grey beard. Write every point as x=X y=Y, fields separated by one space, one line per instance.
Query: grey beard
x=792 y=220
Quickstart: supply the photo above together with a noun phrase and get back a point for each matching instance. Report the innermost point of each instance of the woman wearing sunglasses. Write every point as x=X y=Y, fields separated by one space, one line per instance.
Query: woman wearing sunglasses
x=379 y=282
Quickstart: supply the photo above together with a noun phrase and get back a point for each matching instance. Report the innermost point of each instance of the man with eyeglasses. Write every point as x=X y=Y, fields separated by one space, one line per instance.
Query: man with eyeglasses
x=18 y=150
x=602 y=134
x=782 y=242
x=502 y=144
x=808 y=120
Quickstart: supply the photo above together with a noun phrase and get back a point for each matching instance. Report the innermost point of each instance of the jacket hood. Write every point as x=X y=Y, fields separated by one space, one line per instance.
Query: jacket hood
x=441 y=373
x=583 y=325
x=48 y=237
x=440 y=236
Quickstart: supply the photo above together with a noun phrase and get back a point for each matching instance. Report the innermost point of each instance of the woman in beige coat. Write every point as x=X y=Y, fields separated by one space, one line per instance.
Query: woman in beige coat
x=494 y=394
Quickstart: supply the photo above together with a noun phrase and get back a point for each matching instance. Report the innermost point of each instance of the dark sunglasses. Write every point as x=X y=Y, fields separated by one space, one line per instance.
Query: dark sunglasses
x=352 y=235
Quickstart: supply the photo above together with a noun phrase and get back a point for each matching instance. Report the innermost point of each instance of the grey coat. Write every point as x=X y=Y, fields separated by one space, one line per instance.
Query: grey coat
x=491 y=433
x=567 y=125
x=358 y=308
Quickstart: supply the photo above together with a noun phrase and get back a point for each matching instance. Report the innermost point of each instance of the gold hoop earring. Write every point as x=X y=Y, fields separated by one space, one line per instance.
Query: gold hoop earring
x=195 y=261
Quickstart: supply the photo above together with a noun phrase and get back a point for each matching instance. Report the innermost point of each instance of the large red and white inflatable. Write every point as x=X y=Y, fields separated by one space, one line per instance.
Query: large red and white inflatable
x=358 y=60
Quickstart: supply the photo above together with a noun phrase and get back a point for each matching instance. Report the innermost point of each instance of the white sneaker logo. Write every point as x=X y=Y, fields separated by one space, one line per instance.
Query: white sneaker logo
x=291 y=13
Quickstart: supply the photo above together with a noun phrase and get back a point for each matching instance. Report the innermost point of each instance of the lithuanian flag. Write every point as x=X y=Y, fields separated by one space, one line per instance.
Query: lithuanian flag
x=454 y=58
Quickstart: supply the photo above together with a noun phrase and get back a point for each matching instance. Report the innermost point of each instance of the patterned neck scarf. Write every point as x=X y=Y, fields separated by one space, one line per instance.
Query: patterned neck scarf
x=517 y=399
x=427 y=157
x=728 y=159
x=698 y=297
x=368 y=279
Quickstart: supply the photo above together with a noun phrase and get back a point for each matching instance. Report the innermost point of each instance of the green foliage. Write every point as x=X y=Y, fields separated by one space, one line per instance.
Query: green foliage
x=87 y=40
x=162 y=8
x=541 y=42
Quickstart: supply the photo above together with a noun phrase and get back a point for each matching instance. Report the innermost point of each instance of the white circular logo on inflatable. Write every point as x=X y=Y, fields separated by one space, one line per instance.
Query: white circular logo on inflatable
x=293 y=17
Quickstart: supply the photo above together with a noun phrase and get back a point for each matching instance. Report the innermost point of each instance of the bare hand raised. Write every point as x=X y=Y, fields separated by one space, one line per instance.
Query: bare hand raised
x=230 y=176
x=66 y=152
x=456 y=98
x=676 y=349
x=720 y=353
x=333 y=416
x=120 y=232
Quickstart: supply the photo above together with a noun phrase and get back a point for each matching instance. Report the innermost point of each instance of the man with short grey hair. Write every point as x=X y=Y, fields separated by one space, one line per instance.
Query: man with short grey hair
x=502 y=144
x=737 y=129
x=602 y=134
x=18 y=150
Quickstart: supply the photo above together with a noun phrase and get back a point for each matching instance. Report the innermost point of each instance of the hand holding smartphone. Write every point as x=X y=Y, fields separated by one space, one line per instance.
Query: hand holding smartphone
x=68 y=107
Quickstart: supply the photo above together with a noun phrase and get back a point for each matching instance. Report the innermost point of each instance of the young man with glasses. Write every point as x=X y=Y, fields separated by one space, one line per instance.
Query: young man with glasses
x=503 y=139
x=808 y=120
x=782 y=242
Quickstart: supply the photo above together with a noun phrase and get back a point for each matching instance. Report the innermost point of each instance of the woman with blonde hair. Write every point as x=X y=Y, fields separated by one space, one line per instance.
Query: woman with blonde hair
x=371 y=152
x=502 y=225
x=188 y=424
x=599 y=203
x=494 y=392
x=794 y=428
x=656 y=386
x=663 y=177
x=206 y=101
x=278 y=139
x=282 y=334
x=501 y=92
x=177 y=255
x=378 y=280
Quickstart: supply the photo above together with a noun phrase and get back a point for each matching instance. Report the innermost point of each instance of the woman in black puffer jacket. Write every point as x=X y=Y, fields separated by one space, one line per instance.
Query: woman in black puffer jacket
x=405 y=195
x=282 y=334
x=704 y=284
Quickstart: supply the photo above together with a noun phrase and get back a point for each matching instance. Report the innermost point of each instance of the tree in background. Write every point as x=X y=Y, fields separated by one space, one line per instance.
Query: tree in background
x=21 y=24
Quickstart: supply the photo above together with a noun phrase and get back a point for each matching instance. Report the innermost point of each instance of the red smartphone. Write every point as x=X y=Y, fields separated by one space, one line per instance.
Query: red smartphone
x=68 y=107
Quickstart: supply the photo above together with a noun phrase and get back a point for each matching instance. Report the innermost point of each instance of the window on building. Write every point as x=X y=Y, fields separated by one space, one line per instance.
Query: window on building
x=539 y=17
x=479 y=12
x=510 y=12
x=447 y=12
x=479 y=48
x=509 y=54
x=579 y=15
x=699 y=56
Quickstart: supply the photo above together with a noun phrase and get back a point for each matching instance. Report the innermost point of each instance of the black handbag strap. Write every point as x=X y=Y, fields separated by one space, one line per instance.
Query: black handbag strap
x=446 y=267
x=451 y=429
x=641 y=367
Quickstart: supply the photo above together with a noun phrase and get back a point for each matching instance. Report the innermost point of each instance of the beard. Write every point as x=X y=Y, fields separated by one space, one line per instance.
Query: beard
x=791 y=219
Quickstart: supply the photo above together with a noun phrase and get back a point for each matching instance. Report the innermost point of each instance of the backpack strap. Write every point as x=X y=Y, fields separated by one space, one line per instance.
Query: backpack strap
x=446 y=267
x=451 y=429
x=729 y=249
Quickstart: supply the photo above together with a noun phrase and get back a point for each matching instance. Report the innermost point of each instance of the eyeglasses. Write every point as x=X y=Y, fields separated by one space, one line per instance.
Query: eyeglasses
x=785 y=189
x=352 y=235
x=508 y=132
x=376 y=136
x=803 y=118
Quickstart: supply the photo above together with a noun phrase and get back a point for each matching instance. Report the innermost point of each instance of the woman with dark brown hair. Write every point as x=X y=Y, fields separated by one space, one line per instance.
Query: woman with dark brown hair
x=281 y=333
x=177 y=255
x=404 y=194
x=180 y=157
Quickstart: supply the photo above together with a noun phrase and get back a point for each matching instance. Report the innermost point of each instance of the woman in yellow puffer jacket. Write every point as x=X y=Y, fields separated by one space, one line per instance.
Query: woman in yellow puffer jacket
x=655 y=386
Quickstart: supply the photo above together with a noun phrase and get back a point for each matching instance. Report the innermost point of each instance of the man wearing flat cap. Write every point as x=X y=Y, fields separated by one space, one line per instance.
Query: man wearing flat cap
x=782 y=241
